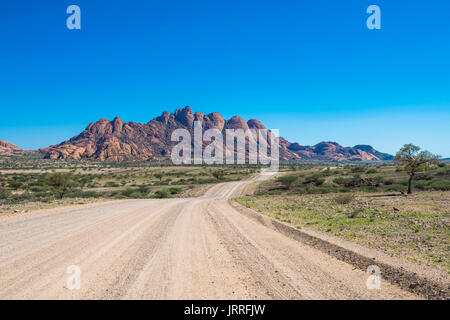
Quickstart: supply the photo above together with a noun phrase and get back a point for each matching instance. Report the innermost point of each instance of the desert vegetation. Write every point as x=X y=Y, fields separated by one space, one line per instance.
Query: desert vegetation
x=29 y=183
x=366 y=204
x=310 y=179
x=413 y=160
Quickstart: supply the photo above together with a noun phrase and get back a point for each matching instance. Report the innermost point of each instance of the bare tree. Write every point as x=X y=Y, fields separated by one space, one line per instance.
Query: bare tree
x=413 y=160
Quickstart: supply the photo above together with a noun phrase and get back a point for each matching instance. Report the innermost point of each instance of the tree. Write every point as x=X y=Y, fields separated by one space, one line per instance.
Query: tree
x=4 y=193
x=159 y=175
x=413 y=160
x=287 y=181
x=60 y=182
x=218 y=174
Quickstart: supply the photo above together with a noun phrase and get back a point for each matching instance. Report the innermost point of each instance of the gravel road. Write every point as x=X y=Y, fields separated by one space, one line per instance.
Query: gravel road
x=193 y=248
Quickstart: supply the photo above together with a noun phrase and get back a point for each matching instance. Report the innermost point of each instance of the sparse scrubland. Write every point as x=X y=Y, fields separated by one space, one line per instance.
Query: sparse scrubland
x=362 y=203
x=365 y=204
x=29 y=183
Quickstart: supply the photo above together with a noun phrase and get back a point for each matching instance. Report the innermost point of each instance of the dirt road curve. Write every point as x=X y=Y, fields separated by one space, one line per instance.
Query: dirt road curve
x=198 y=248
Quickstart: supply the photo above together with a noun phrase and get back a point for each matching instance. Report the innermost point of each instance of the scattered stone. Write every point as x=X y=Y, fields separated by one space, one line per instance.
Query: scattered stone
x=413 y=285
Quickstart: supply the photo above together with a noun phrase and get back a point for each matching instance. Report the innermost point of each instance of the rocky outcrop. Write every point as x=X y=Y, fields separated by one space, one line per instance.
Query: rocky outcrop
x=8 y=149
x=371 y=150
x=332 y=151
x=116 y=140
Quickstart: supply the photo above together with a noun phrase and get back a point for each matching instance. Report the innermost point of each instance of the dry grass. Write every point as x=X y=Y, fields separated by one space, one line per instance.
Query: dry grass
x=414 y=227
x=18 y=209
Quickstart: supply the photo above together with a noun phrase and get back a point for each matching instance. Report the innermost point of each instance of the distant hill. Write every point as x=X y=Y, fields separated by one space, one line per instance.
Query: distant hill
x=8 y=149
x=378 y=154
x=116 y=140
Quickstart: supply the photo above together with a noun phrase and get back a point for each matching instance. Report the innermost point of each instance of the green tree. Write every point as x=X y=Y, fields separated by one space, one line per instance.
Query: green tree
x=4 y=193
x=15 y=185
x=287 y=181
x=60 y=182
x=413 y=160
x=218 y=174
x=159 y=175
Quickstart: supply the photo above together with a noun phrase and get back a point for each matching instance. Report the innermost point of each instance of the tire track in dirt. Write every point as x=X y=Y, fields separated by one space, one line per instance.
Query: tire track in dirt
x=192 y=248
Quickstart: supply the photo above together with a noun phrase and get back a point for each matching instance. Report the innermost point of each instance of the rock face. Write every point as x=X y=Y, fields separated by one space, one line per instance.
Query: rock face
x=8 y=149
x=370 y=149
x=116 y=140
x=332 y=151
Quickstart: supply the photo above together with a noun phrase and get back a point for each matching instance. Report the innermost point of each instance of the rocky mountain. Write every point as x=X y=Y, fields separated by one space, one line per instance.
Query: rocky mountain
x=331 y=151
x=116 y=140
x=378 y=154
x=8 y=149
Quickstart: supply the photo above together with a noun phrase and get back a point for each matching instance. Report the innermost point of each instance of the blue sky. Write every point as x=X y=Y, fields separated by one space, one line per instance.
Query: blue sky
x=310 y=68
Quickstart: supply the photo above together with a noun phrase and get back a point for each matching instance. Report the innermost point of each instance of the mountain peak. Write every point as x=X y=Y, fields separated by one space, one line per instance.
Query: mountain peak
x=116 y=140
x=255 y=124
x=236 y=122
x=185 y=116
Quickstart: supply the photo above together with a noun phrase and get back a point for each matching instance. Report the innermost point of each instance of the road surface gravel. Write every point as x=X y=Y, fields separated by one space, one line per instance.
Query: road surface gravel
x=192 y=248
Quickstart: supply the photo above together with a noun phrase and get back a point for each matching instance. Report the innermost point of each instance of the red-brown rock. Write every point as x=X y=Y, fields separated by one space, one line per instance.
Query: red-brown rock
x=116 y=140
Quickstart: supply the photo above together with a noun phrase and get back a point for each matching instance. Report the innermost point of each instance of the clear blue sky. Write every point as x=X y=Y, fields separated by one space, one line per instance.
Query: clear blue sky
x=310 y=68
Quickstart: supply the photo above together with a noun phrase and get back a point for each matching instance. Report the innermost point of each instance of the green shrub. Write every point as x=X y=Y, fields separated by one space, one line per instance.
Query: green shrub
x=326 y=173
x=443 y=171
x=161 y=194
x=440 y=184
x=314 y=179
x=128 y=192
x=319 y=181
x=38 y=189
x=174 y=190
x=4 y=193
x=378 y=180
x=357 y=169
x=287 y=181
x=371 y=171
x=275 y=191
x=396 y=187
x=218 y=174
x=344 y=198
x=15 y=185
x=369 y=188
x=143 y=189
x=39 y=182
x=423 y=176
x=84 y=194
x=421 y=185
x=111 y=184
x=60 y=182
x=340 y=181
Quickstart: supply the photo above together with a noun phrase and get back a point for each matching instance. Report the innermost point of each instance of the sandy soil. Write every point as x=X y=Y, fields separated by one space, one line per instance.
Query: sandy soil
x=193 y=248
